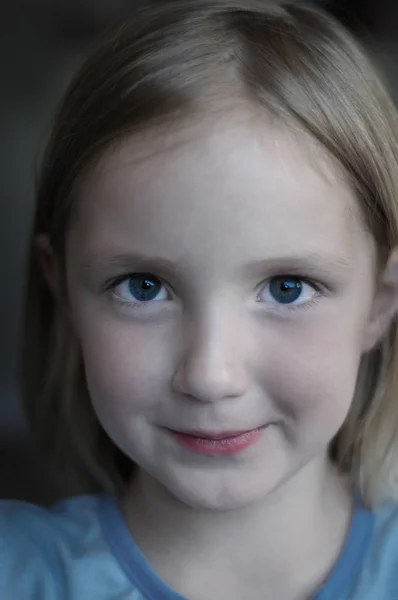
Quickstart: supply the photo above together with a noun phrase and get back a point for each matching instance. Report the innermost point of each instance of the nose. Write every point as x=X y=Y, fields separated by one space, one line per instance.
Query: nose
x=212 y=367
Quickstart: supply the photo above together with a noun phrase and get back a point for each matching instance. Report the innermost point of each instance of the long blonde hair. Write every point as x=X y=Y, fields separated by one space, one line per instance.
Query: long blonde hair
x=171 y=61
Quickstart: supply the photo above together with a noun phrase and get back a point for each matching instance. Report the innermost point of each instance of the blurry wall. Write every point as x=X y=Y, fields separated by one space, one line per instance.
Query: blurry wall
x=42 y=42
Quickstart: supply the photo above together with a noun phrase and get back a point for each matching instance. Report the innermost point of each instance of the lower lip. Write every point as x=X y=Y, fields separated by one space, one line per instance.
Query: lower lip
x=231 y=444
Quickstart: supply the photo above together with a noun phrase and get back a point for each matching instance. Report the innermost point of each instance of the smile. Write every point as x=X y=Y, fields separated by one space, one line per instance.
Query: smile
x=218 y=443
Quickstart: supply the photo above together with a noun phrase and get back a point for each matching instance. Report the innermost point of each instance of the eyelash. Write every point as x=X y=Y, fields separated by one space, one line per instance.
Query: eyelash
x=278 y=307
x=113 y=283
x=319 y=289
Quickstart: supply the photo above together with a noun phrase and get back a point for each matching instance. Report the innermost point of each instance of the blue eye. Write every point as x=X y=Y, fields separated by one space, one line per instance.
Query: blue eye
x=286 y=290
x=139 y=288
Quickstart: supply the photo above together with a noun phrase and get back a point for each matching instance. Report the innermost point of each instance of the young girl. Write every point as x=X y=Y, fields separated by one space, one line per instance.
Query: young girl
x=210 y=355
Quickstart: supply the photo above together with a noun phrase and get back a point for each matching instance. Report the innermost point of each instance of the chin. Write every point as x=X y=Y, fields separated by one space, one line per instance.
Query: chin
x=220 y=494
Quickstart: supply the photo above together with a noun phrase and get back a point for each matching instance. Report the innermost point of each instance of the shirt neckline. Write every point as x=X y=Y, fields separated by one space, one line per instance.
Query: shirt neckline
x=352 y=557
x=152 y=587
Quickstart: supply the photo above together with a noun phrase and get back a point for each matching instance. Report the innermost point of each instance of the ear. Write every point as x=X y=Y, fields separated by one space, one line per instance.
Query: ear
x=50 y=267
x=385 y=304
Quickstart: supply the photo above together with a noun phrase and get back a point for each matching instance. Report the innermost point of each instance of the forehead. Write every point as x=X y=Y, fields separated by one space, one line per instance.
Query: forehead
x=218 y=190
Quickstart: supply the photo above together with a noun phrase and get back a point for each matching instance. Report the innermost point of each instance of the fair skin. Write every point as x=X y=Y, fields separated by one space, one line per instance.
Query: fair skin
x=211 y=223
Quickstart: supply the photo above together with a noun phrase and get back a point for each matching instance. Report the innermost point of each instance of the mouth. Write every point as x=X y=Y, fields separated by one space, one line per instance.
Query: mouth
x=223 y=443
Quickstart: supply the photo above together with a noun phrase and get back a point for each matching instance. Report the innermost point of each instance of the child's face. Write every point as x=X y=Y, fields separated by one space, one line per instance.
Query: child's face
x=253 y=310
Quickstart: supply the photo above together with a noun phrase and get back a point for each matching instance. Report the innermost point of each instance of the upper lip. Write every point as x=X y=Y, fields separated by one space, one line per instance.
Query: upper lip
x=213 y=435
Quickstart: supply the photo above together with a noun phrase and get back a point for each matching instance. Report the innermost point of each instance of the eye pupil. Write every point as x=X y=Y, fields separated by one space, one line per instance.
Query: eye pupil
x=285 y=290
x=144 y=287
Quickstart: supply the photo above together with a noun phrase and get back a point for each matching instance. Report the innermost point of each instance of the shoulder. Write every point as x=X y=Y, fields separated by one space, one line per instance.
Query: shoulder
x=67 y=520
x=69 y=510
x=385 y=533
x=38 y=546
x=381 y=567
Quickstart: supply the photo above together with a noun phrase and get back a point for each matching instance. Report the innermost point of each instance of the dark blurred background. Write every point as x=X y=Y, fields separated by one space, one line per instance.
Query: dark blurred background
x=42 y=43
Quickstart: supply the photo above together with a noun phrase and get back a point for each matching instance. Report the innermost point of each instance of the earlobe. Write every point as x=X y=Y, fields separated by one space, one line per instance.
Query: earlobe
x=385 y=305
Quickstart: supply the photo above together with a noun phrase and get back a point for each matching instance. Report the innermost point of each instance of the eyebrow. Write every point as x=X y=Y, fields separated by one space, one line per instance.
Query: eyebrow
x=310 y=263
x=302 y=264
x=126 y=262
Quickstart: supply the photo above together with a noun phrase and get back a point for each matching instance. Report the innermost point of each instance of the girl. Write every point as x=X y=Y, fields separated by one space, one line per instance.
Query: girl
x=210 y=351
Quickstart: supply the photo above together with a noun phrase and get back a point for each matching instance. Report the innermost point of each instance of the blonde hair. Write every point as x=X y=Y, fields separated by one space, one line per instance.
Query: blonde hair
x=172 y=61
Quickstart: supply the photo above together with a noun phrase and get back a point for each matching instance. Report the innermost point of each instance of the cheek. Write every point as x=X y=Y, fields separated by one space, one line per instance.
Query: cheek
x=126 y=366
x=311 y=377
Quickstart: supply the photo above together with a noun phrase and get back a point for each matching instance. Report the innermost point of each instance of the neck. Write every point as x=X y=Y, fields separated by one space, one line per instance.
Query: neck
x=297 y=529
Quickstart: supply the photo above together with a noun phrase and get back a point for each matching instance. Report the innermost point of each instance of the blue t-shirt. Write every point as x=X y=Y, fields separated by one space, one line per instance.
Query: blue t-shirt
x=82 y=549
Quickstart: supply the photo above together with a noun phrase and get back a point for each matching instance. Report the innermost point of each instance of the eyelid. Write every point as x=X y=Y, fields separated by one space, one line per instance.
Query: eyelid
x=317 y=285
x=112 y=284
x=319 y=292
x=118 y=279
x=301 y=306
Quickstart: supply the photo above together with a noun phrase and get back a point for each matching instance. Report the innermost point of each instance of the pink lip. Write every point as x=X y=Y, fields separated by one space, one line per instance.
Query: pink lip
x=227 y=442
